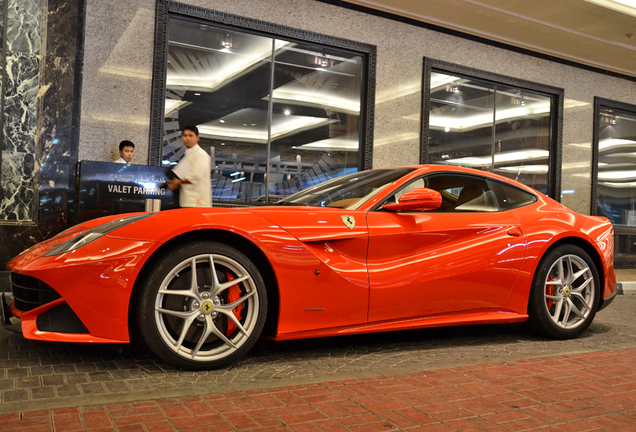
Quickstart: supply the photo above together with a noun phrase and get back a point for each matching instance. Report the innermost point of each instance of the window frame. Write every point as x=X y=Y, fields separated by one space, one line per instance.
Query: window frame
x=555 y=159
x=166 y=8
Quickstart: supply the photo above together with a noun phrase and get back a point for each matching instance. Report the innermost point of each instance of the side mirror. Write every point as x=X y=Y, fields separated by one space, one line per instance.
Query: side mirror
x=417 y=199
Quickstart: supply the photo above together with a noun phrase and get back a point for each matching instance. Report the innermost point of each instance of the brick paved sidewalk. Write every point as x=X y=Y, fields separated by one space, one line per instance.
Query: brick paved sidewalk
x=580 y=392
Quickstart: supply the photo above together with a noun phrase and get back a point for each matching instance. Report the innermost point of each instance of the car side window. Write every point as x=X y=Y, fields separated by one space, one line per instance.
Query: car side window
x=460 y=193
x=464 y=194
x=510 y=197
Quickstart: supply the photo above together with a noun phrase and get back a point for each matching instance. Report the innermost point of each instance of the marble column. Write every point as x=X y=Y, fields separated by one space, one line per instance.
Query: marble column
x=40 y=121
x=23 y=36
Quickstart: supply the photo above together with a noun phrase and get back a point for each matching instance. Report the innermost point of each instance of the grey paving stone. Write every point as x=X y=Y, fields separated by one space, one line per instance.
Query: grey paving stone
x=29 y=362
x=43 y=393
x=17 y=372
x=99 y=376
x=190 y=379
x=15 y=395
x=76 y=379
x=86 y=367
x=207 y=379
x=41 y=370
x=122 y=375
x=107 y=366
x=67 y=390
x=92 y=389
x=154 y=381
x=28 y=382
x=50 y=361
x=116 y=387
x=7 y=384
x=165 y=386
x=174 y=379
x=64 y=369
x=138 y=385
x=53 y=380
x=137 y=374
x=19 y=355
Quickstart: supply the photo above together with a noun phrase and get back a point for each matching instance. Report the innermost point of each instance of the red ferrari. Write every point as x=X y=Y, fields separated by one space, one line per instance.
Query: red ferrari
x=377 y=250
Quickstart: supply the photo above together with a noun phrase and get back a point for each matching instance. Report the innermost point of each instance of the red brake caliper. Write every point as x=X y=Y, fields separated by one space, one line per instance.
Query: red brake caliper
x=234 y=293
x=549 y=291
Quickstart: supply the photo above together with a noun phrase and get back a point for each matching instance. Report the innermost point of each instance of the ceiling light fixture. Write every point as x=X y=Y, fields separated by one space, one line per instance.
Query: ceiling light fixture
x=227 y=42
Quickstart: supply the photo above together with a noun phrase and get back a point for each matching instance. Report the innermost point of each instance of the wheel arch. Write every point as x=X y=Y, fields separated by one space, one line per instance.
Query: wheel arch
x=245 y=246
x=590 y=250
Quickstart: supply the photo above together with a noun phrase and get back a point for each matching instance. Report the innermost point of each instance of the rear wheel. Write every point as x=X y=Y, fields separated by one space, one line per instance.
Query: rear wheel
x=565 y=293
x=203 y=307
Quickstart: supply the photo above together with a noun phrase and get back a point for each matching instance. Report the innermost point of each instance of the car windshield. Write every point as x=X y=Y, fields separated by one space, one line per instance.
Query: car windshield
x=348 y=191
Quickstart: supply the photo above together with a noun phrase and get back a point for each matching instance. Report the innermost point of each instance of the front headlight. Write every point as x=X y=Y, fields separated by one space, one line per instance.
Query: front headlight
x=93 y=234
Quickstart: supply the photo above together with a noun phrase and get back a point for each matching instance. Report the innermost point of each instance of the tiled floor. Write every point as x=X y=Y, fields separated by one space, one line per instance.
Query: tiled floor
x=579 y=392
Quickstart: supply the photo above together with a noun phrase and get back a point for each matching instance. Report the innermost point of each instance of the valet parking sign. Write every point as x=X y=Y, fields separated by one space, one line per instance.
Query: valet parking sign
x=109 y=188
x=140 y=190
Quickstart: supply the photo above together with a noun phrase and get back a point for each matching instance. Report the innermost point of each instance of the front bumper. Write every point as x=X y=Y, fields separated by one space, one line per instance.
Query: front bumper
x=89 y=288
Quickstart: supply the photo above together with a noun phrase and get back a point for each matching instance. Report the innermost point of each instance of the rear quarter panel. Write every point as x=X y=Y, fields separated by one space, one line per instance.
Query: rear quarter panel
x=547 y=223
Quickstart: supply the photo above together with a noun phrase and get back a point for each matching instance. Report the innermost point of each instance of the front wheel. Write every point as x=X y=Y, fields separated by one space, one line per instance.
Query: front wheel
x=203 y=307
x=565 y=293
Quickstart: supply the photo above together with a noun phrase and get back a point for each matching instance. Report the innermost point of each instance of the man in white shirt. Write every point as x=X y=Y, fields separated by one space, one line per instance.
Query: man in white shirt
x=126 y=152
x=192 y=173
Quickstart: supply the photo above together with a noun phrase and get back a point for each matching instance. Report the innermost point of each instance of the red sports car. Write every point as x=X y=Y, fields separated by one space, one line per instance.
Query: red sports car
x=377 y=250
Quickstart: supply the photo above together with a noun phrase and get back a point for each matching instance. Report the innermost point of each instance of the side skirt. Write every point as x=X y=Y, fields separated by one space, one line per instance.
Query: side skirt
x=445 y=320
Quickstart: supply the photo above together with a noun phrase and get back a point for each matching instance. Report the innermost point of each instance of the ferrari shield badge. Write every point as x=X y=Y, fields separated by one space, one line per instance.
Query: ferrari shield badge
x=349 y=221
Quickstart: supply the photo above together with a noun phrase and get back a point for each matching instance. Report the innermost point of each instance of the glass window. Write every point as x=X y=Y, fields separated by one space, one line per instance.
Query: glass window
x=492 y=126
x=461 y=121
x=510 y=197
x=616 y=166
x=275 y=115
x=460 y=193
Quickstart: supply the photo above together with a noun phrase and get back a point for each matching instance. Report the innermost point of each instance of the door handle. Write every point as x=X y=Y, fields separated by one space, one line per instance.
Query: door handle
x=515 y=232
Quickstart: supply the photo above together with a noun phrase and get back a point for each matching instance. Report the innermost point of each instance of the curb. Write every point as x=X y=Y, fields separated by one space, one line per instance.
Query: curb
x=627 y=288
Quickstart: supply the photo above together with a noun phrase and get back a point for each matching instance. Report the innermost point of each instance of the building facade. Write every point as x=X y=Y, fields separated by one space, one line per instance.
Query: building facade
x=397 y=93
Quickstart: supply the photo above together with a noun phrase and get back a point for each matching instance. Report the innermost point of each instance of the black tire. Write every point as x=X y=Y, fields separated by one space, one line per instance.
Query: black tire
x=207 y=321
x=565 y=293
